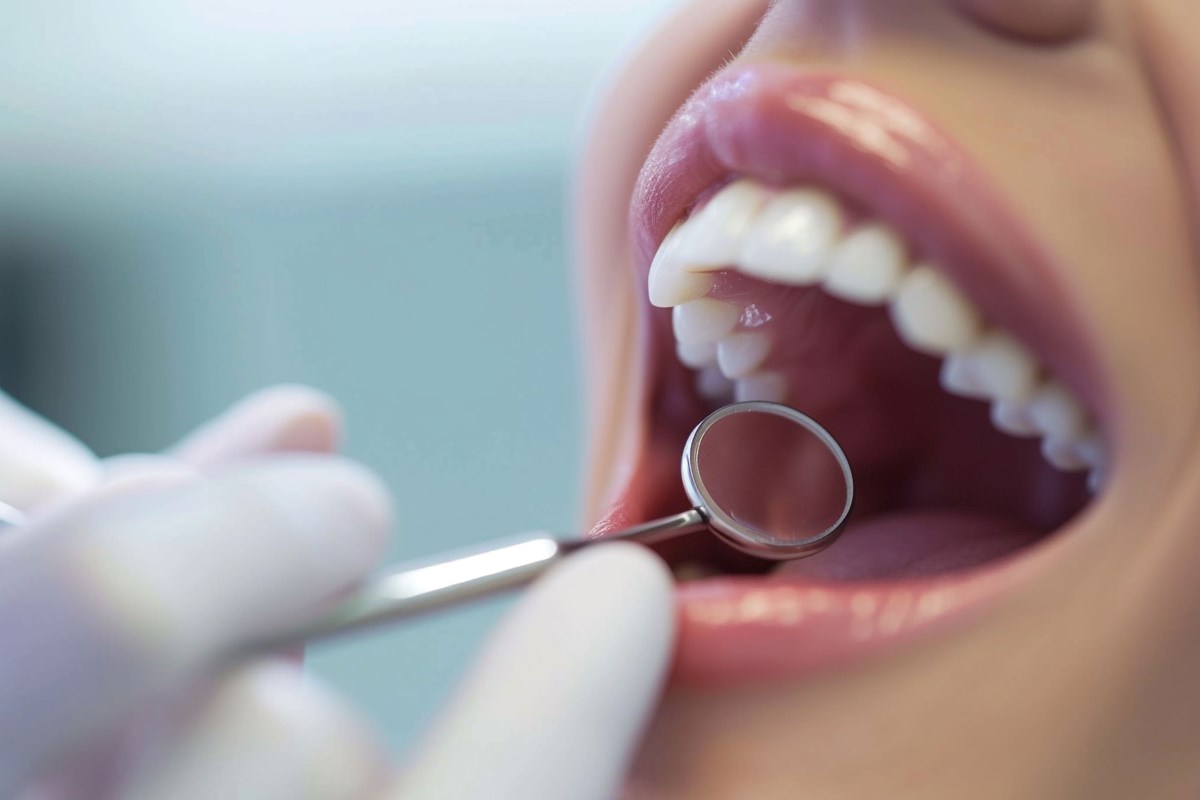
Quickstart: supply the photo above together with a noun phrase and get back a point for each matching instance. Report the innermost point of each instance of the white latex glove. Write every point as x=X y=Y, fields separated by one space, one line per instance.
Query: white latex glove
x=117 y=605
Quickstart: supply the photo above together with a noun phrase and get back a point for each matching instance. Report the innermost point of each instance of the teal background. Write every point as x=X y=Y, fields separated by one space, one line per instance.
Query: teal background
x=202 y=199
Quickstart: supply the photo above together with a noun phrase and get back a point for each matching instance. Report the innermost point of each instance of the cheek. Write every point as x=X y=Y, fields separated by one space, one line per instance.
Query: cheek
x=1171 y=46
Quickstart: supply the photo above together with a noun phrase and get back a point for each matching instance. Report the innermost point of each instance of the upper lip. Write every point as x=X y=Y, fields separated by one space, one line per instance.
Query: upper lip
x=784 y=124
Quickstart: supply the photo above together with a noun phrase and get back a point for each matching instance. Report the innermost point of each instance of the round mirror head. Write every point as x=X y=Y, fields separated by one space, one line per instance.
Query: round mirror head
x=770 y=481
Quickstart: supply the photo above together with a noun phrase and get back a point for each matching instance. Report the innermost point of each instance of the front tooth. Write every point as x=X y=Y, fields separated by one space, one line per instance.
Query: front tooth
x=1012 y=417
x=867 y=266
x=931 y=315
x=739 y=354
x=696 y=354
x=712 y=384
x=791 y=238
x=714 y=236
x=704 y=320
x=763 y=385
x=997 y=367
x=1056 y=413
x=669 y=284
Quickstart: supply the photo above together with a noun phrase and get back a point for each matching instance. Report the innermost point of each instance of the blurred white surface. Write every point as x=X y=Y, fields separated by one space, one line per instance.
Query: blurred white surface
x=201 y=198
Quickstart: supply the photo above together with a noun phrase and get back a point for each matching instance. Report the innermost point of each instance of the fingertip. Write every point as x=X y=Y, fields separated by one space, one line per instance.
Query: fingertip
x=279 y=419
x=309 y=420
x=586 y=652
x=630 y=588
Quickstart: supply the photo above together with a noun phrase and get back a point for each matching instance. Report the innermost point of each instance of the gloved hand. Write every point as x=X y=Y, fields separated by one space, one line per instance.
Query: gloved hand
x=135 y=577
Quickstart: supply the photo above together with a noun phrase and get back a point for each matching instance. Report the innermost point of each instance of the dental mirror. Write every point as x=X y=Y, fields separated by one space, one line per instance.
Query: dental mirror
x=769 y=480
x=764 y=478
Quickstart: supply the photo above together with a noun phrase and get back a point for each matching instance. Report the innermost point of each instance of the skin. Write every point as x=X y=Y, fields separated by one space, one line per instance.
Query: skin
x=1080 y=684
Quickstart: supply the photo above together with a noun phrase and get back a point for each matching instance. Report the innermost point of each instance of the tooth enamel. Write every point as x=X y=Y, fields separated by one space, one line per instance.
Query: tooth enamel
x=696 y=354
x=1091 y=450
x=714 y=236
x=739 y=354
x=1062 y=454
x=669 y=284
x=792 y=237
x=705 y=320
x=1056 y=413
x=712 y=385
x=867 y=266
x=931 y=315
x=957 y=376
x=1012 y=417
x=765 y=385
x=996 y=367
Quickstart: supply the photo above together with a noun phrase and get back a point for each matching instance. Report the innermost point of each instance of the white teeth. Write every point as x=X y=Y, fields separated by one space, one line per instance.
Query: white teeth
x=765 y=385
x=669 y=284
x=792 y=237
x=1056 y=413
x=712 y=385
x=1062 y=454
x=696 y=354
x=957 y=376
x=739 y=354
x=796 y=238
x=714 y=236
x=867 y=266
x=931 y=315
x=1093 y=452
x=1012 y=417
x=996 y=367
x=703 y=320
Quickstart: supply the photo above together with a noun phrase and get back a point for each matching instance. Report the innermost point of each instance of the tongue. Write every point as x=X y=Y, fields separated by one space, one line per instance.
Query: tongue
x=913 y=544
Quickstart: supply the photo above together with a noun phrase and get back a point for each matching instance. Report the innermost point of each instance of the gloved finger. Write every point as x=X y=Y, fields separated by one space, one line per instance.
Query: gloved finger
x=126 y=595
x=39 y=462
x=279 y=419
x=133 y=470
x=268 y=733
x=559 y=698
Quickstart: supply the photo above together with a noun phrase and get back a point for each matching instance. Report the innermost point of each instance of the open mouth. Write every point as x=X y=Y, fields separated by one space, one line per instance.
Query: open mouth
x=814 y=241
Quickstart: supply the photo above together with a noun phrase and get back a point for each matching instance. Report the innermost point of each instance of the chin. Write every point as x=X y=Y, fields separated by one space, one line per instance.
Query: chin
x=971 y=259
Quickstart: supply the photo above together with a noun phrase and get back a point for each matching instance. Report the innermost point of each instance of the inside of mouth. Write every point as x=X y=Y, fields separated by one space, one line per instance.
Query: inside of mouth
x=939 y=487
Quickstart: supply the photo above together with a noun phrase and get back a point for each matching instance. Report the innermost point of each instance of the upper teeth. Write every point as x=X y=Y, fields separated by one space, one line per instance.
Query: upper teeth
x=800 y=238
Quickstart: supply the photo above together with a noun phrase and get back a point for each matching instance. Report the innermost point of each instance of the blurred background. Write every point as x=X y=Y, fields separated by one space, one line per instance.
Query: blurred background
x=202 y=198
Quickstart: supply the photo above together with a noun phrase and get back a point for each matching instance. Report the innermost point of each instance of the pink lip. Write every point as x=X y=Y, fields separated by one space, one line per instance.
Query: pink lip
x=785 y=126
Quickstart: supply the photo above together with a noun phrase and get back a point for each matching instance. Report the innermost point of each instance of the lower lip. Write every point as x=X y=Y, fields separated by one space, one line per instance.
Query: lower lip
x=738 y=629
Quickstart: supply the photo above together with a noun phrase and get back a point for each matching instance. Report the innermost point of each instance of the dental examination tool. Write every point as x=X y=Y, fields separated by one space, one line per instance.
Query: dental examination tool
x=764 y=478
